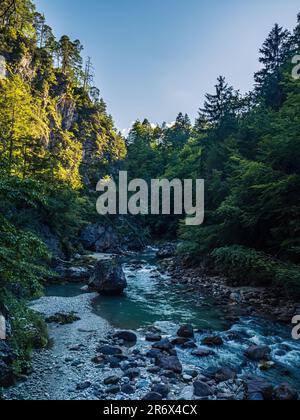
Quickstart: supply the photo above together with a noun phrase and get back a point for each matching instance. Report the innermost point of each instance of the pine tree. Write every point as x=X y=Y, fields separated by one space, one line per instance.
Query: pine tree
x=274 y=53
x=221 y=105
x=71 y=60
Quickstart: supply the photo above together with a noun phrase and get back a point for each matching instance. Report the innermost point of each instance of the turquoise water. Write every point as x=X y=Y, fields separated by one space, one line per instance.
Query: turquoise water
x=150 y=300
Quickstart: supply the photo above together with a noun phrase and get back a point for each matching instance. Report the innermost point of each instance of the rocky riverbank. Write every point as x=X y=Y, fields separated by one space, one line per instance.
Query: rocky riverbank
x=235 y=301
x=91 y=360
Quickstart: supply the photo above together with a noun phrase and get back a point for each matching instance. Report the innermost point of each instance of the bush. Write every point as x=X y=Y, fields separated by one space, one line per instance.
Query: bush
x=248 y=266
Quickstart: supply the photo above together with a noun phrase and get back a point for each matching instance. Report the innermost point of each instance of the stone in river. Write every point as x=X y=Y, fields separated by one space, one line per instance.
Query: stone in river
x=186 y=331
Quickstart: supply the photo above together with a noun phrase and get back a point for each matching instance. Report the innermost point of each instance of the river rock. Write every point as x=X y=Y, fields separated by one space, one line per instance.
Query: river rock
x=161 y=389
x=201 y=389
x=170 y=363
x=132 y=373
x=213 y=341
x=152 y=396
x=168 y=251
x=127 y=336
x=152 y=337
x=258 y=388
x=186 y=331
x=109 y=350
x=83 y=386
x=111 y=380
x=127 y=389
x=108 y=278
x=224 y=374
x=258 y=353
x=202 y=352
x=285 y=392
x=164 y=345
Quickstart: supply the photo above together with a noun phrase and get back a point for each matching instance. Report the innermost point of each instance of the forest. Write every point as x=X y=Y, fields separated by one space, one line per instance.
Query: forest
x=57 y=140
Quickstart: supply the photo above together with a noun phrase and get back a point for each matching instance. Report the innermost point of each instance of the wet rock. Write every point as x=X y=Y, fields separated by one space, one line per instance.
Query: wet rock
x=109 y=350
x=202 y=352
x=115 y=389
x=224 y=374
x=168 y=251
x=111 y=380
x=164 y=345
x=83 y=386
x=108 y=278
x=98 y=360
x=152 y=337
x=132 y=373
x=264 y=366
x=258 y=388
x=152 y=396
x=190 y=344
x=213 y=341
x=180 y=341
x=127 y=389
x=258 y=353
x=186 y=331
x=201 y=389
x=161 y=389
x=127 y=336
x=170 y=363
x=285 y=392
x=153 y=354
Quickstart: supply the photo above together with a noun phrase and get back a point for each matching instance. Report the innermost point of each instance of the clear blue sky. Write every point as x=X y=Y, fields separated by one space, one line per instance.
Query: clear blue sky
x=155 y=58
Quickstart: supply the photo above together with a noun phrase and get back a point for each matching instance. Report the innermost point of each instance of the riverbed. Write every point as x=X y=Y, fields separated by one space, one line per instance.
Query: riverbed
x=67 y=370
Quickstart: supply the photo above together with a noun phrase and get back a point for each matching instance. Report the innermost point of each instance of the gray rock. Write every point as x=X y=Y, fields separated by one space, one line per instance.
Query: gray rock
x=111 y=380
x=151 y=337
x=258 y=388
x=110 y=350
x=186 y=331
x=202 y=352
x=113 y=389
x=83 y=386
x=164 y=345
x=170 y=363
x=212 y=341
x=108 y=278
x=152 y=396
x=127 y=336
x=161 y=389
x=258 y=353
x=127 y=389
x=201 y=389
x=285 y=392
x=132 y=373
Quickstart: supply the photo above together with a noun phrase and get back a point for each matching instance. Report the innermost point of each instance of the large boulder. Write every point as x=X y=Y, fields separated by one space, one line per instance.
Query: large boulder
x=127 y=336
x=202 y=390
x=285 y=392
x=258 y=353
x=186 y=331
x=108 y=278
x=171 y=363
x=258 y=388
x=100 y=238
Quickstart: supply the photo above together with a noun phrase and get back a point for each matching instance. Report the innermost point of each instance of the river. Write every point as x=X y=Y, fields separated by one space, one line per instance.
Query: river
x=150 y=300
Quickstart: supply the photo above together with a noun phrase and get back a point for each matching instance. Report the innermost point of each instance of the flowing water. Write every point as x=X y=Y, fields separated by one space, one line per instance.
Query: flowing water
x=151 y=300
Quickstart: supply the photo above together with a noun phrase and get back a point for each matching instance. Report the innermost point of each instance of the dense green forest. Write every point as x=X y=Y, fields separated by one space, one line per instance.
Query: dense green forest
x=247 y=148
x=57 y=140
